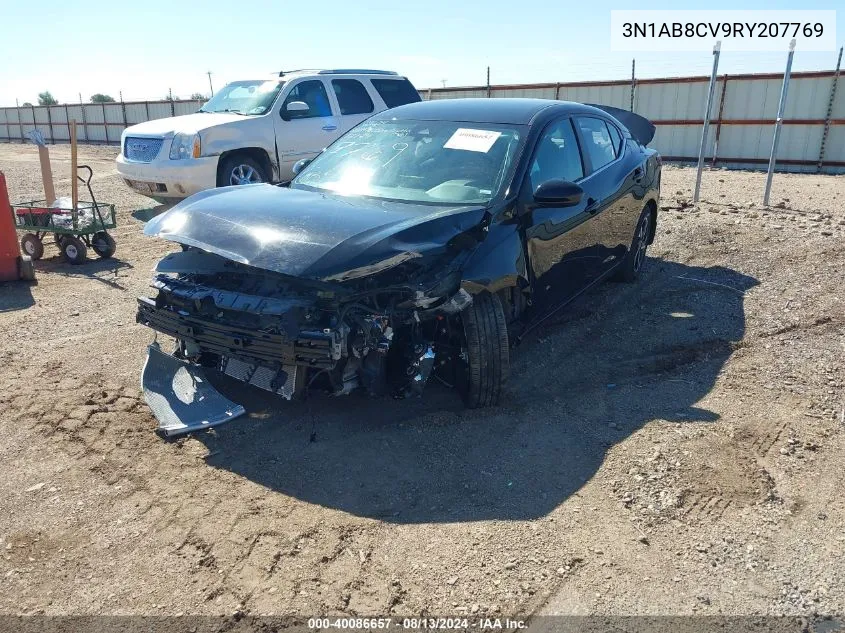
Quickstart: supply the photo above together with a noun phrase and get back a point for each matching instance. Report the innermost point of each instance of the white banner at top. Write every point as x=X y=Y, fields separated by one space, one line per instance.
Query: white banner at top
x=761 y=30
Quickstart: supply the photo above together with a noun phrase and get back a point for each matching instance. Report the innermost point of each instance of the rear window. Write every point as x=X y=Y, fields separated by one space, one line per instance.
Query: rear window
x=352 y=97
x=396 y=92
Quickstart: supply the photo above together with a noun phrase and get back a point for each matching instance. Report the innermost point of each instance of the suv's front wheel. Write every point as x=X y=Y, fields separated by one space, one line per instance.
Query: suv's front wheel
x=240 y=169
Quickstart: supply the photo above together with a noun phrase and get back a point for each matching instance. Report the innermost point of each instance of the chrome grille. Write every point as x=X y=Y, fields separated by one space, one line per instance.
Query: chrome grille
x=140 y=149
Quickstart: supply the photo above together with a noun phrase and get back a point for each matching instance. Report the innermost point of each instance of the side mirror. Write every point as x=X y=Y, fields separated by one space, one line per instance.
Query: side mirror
x=297 y=106
x=299 y=165
x=294 y=109
x=558 y=192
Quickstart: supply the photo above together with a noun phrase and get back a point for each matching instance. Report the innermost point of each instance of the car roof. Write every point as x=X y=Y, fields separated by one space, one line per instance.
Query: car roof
x=513 y=111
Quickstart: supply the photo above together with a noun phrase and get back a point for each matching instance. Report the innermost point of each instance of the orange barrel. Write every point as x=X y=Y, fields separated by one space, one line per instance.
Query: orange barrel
x=9 y=251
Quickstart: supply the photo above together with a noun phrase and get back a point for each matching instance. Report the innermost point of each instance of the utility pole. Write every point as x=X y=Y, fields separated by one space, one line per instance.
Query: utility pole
x=443 y=81
x=209 y=83
x=488 y=82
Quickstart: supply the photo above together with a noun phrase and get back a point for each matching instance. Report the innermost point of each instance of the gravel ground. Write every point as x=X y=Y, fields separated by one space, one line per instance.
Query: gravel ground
x=671 y=447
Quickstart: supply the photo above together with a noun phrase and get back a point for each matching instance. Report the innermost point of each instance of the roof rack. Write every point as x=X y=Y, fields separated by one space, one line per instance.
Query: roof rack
x=356 y=71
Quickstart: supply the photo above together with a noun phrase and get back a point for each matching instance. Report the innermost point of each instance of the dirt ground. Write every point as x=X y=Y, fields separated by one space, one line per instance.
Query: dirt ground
x=671 y=447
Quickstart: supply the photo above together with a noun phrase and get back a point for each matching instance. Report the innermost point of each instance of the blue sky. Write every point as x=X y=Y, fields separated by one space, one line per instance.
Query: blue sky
x=93 y=46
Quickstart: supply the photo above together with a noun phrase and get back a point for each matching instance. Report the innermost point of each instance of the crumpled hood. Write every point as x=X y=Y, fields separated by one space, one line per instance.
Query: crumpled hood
x=186 y=124
x=309 y=234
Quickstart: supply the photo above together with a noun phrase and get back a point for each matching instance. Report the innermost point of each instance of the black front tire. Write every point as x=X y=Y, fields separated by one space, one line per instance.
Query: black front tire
x=103 y=244
x=240 y=169
x=74 y=250
x=635 y=258
x=487 y=351
x=32 y=246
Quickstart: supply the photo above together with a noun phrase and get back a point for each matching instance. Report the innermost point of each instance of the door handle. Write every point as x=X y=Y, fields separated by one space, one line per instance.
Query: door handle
x=592 y=205
x=329 y=128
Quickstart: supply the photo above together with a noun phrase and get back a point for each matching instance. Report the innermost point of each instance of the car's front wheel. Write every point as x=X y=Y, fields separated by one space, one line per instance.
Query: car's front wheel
x=240 y=169
x=485 y=355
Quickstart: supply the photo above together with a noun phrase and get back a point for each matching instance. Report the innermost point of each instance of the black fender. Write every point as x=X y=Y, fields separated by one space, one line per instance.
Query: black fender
x=498 y=263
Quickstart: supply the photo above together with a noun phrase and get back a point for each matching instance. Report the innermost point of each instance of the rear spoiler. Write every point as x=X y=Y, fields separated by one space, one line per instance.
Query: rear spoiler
x=640 y=127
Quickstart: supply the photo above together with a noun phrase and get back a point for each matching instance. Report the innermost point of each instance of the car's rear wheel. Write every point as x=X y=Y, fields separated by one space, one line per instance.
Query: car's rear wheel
x=240 y=169
x=483 y=364
x=635 y=258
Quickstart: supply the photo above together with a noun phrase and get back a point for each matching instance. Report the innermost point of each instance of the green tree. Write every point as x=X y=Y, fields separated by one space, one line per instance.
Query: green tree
x=101 y=98
x=27 y=104
x=46 y=98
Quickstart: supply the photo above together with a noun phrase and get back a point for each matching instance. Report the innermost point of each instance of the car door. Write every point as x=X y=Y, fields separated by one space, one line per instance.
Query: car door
x=561 y=241
x=609 y=184
x=304 y=134
x=354 y=102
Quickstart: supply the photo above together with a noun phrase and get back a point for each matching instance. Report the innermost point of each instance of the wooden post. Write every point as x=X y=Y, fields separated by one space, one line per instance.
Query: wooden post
x=74 y=182
x=46 y=174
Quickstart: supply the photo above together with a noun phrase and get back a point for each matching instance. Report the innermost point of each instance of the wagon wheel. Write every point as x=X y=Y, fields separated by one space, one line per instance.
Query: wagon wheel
x=57 y=239
x=103 y=244
x=74 y=249
x=32 y=246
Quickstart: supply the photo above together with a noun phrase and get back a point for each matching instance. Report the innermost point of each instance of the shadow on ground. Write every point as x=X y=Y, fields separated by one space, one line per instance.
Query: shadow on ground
x=15 y=295
x=107 y=271
x=625 y=354
x=145 y=215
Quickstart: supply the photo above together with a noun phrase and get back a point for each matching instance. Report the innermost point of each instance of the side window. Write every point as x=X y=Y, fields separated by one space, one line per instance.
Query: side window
x=352 y=96
x=557 y=155
x=313 y=94
x=597 y=142
x=396 y=92
x=616 y=138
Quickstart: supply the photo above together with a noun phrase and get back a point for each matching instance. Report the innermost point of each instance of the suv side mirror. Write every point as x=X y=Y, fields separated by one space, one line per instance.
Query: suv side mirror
x=299 y=165
x=294 y=109
x=558 y=192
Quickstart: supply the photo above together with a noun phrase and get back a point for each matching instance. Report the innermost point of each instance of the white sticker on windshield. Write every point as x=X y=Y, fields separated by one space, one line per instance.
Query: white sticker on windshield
x=472 y=140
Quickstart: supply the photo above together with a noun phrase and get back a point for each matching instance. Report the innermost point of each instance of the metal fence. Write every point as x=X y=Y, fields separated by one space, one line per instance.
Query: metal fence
x=96 y=122
x=813 y=137
x=743 y=119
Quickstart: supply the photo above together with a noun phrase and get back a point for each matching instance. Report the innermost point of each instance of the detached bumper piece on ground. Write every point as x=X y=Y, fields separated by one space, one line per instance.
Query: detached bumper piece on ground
x=180 y=396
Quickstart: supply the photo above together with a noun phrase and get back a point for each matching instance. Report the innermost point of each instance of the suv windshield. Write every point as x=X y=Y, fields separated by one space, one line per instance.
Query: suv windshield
x=245 y=97
x=439 y=162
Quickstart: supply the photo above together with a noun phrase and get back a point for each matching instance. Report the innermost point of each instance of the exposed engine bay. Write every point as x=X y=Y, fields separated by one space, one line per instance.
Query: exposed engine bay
x=288 y=335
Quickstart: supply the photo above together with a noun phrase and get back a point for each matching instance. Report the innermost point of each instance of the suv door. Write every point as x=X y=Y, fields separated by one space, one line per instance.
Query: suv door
x=304 y=134
x=354 y=102
x=609 y=185
x=561 y=241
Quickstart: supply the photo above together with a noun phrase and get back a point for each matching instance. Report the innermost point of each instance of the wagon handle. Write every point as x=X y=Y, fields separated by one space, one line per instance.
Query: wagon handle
x=90 y=175
x=90 y=191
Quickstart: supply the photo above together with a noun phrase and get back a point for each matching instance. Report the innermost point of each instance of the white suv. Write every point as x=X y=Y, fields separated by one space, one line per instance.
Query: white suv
x=254 y=130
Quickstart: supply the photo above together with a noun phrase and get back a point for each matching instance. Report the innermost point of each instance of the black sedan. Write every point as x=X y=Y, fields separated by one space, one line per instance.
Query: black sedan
x=420 y=243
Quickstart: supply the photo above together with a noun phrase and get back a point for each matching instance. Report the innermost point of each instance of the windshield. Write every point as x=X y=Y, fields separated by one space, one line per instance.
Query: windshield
x=440 y=162
x=245 y=97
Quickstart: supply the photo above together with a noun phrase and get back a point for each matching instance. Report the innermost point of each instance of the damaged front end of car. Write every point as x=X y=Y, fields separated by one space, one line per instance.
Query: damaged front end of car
x=385 y=325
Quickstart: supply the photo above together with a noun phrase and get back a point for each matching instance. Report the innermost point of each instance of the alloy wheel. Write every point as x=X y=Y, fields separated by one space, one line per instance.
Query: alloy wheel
x=642 y=242
x=244 y=175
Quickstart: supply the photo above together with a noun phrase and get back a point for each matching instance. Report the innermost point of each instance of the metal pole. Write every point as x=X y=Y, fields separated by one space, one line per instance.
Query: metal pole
x=829 y=111
x=633 y=82
x=716 y=50
x=84 y=119
x=105 y=122
x=488 y=82
x=209 y=83
x=170 y=97
x=778 y=123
